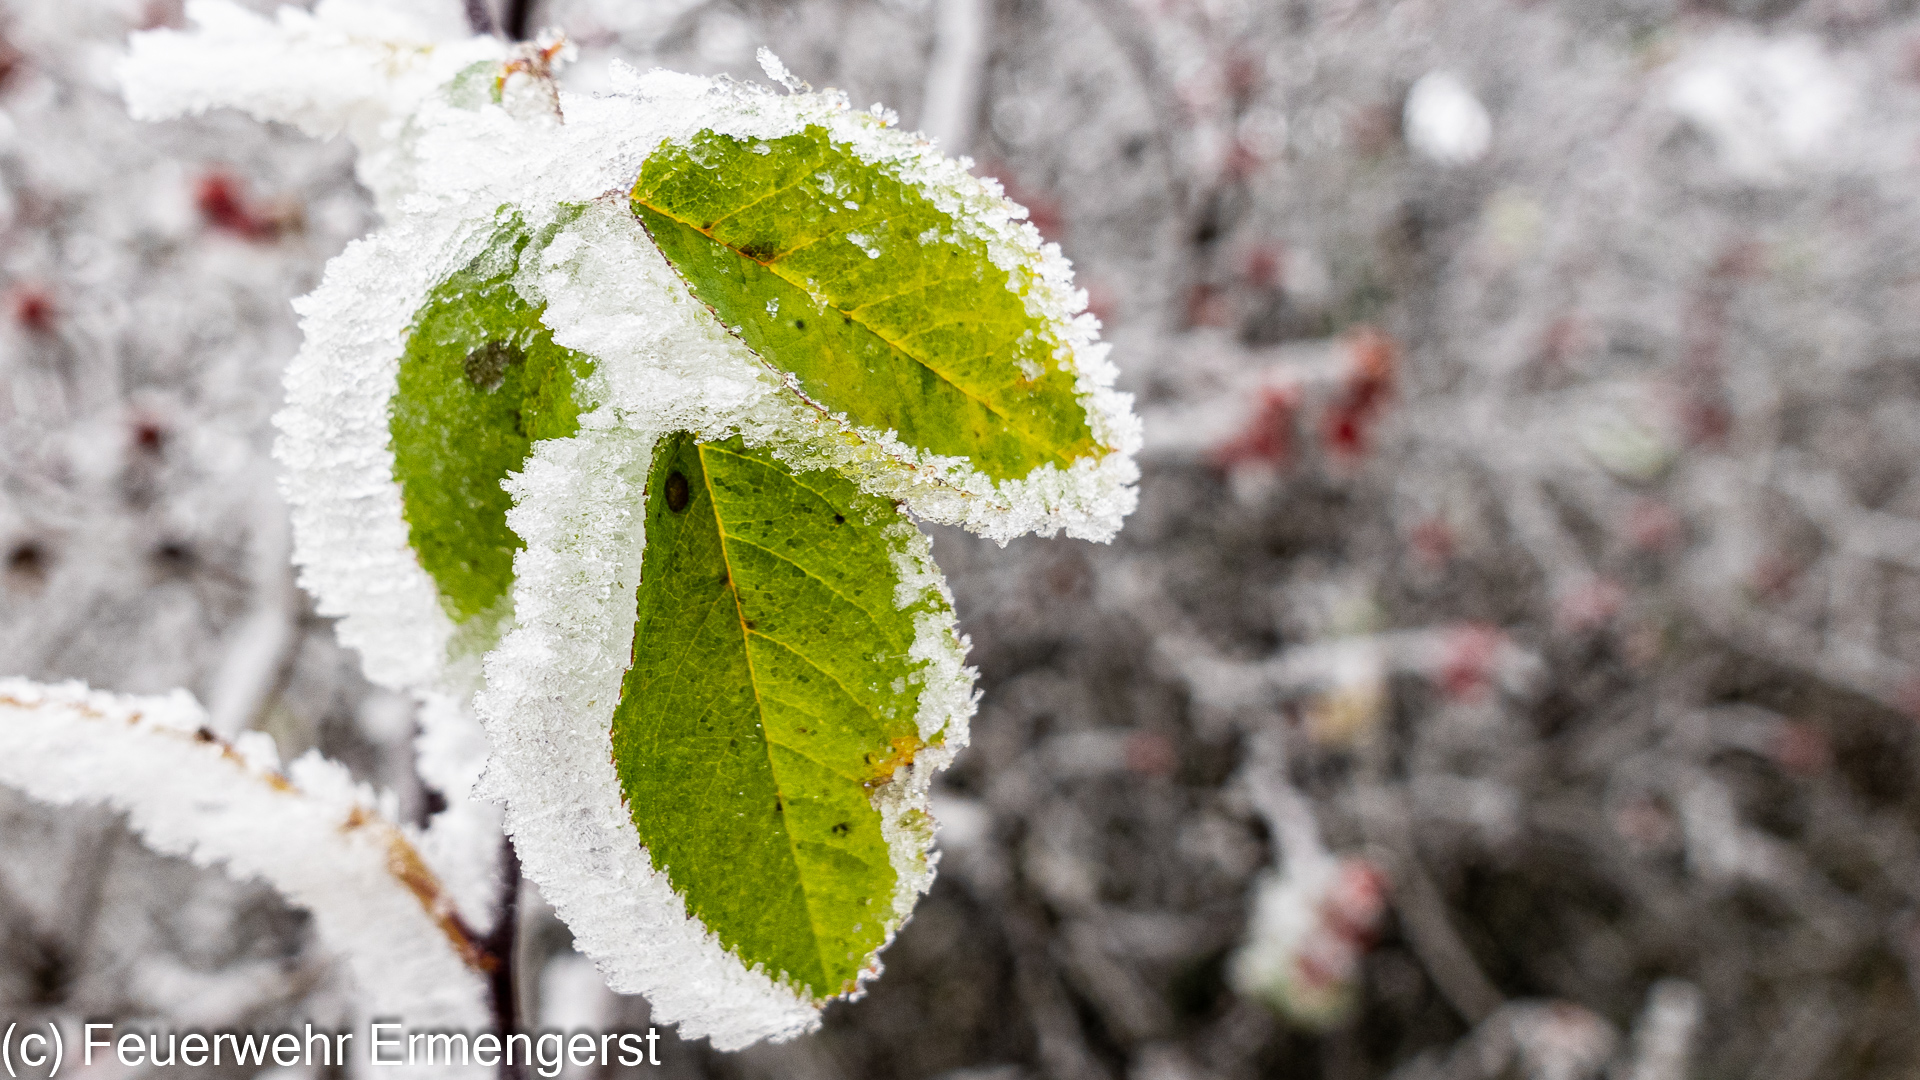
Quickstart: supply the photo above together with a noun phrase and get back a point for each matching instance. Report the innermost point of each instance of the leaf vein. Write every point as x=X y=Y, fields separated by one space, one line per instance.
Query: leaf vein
x=793 y=854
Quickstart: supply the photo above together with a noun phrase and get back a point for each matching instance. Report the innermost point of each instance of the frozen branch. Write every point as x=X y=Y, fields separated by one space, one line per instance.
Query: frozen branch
x=952 y=96
x=323 y=842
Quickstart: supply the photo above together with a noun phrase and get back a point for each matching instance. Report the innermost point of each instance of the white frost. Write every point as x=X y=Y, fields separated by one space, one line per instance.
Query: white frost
x=447 y=172
x=348 y=67
x=548 y=708
x=554 y=681
x=324 y=842
x=1770 y=105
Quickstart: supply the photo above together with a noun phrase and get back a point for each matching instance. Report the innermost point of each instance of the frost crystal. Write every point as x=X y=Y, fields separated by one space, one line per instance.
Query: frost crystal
x=349 y=67
x=324 y=842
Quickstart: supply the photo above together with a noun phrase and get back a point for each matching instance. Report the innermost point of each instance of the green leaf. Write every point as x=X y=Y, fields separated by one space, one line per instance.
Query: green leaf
x=882 y=305
x=770 y=698
x=480 y=382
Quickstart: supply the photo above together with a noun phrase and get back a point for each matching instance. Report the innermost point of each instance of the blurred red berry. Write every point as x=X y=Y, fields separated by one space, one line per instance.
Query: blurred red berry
x=1151 y=754
x=1466 y=666
x=1589 y=606
x=33 y=309
x=1268 y=437
x=223 y=204
x=1371 y=361
x=1801 y=748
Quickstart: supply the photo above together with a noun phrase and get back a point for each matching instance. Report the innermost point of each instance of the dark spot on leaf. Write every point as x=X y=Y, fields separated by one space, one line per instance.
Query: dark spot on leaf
x=487 y=365
x=799 y=324
x=758 y=251
x=839 y=519
x=677 y=496
x=842 y=829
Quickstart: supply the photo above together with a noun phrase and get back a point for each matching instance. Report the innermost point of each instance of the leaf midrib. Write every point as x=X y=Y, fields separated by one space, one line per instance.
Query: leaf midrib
x=1038 y=442
x=760 y=710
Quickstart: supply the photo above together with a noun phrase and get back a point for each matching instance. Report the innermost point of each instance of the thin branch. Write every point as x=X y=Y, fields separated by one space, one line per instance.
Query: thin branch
x=1423 y=911
x=518 y=20
x=951 y=100
x=499 y=946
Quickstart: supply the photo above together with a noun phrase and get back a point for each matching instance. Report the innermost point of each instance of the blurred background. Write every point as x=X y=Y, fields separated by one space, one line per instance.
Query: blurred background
x=1513 y=667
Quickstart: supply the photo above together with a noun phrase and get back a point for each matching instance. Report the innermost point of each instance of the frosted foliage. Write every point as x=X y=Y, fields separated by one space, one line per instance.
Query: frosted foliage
x=663 y=363
x=314 y=834
x=553 y=683
x=350 y=539
x=663 y=360
x=548 y=707
x=348 y=67
x=551 y=690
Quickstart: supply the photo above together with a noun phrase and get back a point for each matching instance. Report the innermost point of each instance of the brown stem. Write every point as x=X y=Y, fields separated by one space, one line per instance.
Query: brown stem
x=499 y=947
x=519 y=14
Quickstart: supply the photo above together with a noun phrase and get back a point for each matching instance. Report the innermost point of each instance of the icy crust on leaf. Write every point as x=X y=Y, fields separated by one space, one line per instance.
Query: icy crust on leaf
x=313 y=834
x=771 y=699
x=348 y=67
x=351 y=540
x=480 y=382
x=473 y=161
x=553 y=685
x=1089 y=497
x=840 y=274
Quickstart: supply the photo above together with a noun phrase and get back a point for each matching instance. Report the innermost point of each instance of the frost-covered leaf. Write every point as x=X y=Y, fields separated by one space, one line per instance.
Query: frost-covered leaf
x=469 y=431
x=595 y=634
x=480 y=381
x=770 y=700
x=309 y=831
x=884 y=308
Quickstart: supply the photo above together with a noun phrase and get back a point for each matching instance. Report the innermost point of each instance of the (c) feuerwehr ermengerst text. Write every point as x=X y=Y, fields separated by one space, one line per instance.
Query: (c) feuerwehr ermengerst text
x=38 y=1046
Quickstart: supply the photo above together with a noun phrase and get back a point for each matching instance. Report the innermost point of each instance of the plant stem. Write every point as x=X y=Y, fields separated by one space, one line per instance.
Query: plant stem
x=518 y=15
x=499 y=945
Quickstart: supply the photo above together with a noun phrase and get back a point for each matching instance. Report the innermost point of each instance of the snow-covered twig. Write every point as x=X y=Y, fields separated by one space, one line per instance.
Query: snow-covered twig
x=322 y=841
x=258 y=645
x=952 y=95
